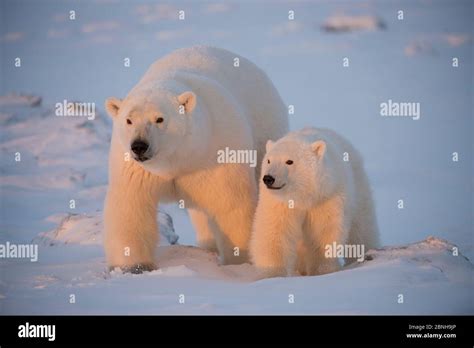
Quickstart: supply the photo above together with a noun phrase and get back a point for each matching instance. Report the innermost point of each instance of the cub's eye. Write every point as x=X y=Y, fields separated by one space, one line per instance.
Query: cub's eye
x=159 y=119
x=289 y=162
x=268 y=161
x=129 y=121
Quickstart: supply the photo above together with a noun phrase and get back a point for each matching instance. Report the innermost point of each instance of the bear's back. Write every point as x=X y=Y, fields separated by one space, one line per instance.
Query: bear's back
x=211 y=62
x=247 y=83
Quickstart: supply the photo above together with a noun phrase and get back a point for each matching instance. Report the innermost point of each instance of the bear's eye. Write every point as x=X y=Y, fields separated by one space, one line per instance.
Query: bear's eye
x=129 y=121
x=159 y=119
x=289 y=162
x=268 y=161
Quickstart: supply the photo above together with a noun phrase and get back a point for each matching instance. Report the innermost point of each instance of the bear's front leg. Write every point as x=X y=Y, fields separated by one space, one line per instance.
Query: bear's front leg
x=273 y=245
x=233 y=235
x=205 y=229
x=324 y=226
x=131 y=230
x=228 y=195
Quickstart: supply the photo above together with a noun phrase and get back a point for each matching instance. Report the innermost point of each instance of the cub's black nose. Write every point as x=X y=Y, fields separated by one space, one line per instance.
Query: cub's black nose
x=268 y=180
x=139 y=147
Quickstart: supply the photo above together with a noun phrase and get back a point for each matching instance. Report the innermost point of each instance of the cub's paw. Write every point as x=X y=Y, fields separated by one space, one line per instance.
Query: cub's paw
x=135 y=269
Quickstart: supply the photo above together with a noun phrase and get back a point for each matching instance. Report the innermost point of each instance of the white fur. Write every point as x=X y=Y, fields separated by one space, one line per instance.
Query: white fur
x=224 y=106
x=331 y=198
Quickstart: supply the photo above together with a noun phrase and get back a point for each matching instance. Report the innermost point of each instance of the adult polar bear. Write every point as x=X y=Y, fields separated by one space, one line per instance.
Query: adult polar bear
x=189 y=105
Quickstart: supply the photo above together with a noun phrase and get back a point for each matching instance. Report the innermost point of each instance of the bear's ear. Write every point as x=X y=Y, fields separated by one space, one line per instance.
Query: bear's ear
x=319 y=148
x=269 y=145
x=112 y=105
x=188 y=100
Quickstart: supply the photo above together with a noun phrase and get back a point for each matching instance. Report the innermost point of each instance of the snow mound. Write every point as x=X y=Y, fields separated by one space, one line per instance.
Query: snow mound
x=432 y=245
x=346 y=23
x=19 y=100
x=203 y=263
x=55 y=153
x=86 y=229
x=420 y=47
x=432 y=254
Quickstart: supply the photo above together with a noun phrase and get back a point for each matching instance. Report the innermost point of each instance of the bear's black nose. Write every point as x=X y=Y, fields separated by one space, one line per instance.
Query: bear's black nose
x=139 y=147
x=268 y=180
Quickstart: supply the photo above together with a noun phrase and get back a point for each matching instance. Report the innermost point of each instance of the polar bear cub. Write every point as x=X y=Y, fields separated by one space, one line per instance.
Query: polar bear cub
x=314 y=194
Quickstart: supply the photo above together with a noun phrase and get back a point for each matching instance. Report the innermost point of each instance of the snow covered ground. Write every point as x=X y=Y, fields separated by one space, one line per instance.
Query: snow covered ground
x=65 y=158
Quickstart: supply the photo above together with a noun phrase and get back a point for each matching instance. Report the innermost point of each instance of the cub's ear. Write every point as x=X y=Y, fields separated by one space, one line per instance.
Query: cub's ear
x=269 y=145
x=319 y=148
x=187 y=102
x=112 y=105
